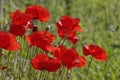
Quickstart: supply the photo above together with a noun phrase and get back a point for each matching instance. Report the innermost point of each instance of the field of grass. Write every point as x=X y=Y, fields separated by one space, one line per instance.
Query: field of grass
x=100 y=20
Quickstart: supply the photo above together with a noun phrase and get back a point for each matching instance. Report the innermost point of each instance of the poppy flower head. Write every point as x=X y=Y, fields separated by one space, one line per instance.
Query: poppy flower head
x=44 y=62
x=69 y=57
x=41 y=40
x=8 y=41
x=79 y=62
x=39 y=61
x=69 y=26
x=19 y=18
x=97 y=52
x=38 y=12
x=68 y=23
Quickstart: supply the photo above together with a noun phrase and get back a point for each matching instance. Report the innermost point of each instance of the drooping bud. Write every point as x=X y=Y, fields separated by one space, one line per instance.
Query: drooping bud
x=47 y=28
x=35 y=28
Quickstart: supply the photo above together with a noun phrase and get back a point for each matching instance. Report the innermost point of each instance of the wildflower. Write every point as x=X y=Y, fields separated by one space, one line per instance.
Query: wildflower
x=20 y=22
x=19 y=18
x=95 y=51
x=8 y=41
x=38 y=12
x=41 y=39
x=69 y=57
x=69 y=26
x=44 y=62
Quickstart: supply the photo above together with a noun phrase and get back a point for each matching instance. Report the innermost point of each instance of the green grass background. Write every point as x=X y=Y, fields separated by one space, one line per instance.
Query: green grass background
x=100 y=20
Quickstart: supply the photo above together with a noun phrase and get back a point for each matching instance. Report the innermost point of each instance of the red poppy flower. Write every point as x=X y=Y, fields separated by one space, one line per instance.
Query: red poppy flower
x=39 y=61
x=44 y=62
x=79 y=62
x=41 y=39
x=97 y=52
x=8 y=41
x=17 y=30
x=68 y=57
x=18 y=18
x=38 y=12
x=69 y=26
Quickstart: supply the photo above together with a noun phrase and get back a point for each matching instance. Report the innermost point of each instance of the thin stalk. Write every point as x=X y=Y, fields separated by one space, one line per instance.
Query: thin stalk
x=61 y=73
x=4 y=10
x=87 y=72
x=61 y=42
x=9 y=6
x=68 y=75
x=40 y=76
x=8 y=63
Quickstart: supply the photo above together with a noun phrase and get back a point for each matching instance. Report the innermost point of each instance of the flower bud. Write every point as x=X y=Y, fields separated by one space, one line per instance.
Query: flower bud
x=47 y=28
x=35 y=28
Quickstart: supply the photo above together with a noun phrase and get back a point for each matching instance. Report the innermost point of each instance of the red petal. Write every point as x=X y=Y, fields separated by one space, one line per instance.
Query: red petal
x=17 y=30
x=67 y=22
x=86 y=50
x=69 y=56
x=78 y=62
x=53 y=65
x=39 y=61
x=81 y=62
x=17 y=12
x=56 y=52
x=21 y=19
x=98 y=53
x=78 y=28
x=38 y=12
x=76 y=20
x=8 y=41
x=41 y=40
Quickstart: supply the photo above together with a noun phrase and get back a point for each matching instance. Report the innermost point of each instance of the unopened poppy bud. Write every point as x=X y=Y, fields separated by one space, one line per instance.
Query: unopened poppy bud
x=4 y=67
x=35 y=28
x=48 y=28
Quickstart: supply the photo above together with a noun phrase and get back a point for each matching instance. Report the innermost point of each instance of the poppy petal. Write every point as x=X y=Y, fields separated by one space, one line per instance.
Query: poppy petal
x=8 y=41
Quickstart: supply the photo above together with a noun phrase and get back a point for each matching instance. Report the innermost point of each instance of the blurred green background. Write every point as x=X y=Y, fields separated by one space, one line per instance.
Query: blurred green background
x=100 y=21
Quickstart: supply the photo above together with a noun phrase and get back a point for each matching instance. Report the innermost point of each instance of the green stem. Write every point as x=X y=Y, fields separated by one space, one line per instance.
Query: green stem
x=61 y=42
x=68 y=75
x=40 y=76
x=87 y=72
x=61 y=73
